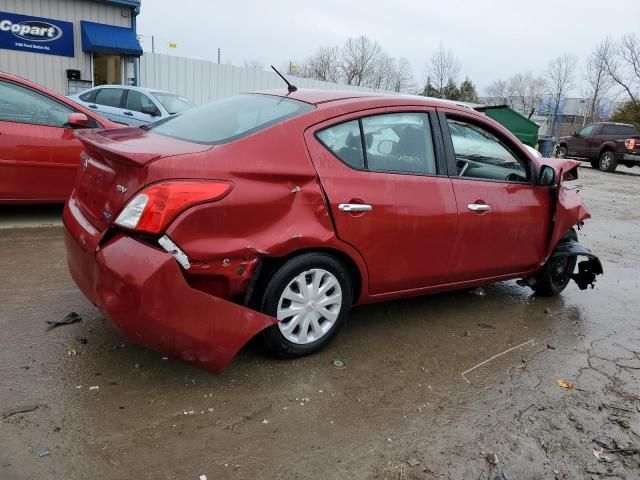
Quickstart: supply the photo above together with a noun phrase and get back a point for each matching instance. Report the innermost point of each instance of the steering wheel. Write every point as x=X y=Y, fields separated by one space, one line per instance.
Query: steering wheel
x=514 y=177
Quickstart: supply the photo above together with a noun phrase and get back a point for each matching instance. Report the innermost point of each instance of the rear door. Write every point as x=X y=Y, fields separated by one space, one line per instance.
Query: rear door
x=389 y=196
x=39 y=155
x=504 y=219
x=109 y=103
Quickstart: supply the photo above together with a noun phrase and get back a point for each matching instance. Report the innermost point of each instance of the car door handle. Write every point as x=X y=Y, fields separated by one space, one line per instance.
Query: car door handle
x=479 y=207
x=129 y=114
x=93 y=106
x=354 y=207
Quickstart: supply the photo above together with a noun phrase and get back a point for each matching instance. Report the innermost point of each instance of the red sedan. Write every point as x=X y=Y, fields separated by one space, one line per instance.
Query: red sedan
x=39 y=154
x=274 y=213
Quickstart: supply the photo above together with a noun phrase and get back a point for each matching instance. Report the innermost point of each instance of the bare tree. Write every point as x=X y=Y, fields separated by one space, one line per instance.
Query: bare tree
x=323 y=65
x=560 y=81
x=359 y=59
x=614 y=58
x=598 y=81
x=535 y=89
x=442 y=67
x=384 y=73
x=497 y=92
x=403 y=82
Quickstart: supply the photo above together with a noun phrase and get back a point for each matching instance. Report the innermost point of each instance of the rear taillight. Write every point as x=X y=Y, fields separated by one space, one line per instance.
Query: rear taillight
x=630 y=143
x=151 y=210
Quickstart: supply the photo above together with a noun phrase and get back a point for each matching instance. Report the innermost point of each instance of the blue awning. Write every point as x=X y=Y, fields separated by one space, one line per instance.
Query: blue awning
x=101 y=38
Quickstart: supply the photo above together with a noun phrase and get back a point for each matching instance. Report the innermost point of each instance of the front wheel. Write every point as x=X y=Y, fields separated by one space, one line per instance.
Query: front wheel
x=561 y=152
x=311 y=296
x=608 y=161
x=556 y=273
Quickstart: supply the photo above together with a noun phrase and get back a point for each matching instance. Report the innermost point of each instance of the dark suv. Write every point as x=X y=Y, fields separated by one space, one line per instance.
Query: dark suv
x=604 y=144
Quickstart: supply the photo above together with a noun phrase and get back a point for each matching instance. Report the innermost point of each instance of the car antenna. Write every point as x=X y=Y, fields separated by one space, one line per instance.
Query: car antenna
x=291 y=88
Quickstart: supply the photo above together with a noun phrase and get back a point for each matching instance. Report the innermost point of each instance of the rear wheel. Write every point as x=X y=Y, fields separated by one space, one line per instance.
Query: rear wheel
x=561 y=152
x=556 y=273
x=608 y=161
x=311 y=296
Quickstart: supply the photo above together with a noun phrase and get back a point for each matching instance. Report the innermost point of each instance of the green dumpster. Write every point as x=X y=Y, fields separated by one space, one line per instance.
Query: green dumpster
x=526 y=130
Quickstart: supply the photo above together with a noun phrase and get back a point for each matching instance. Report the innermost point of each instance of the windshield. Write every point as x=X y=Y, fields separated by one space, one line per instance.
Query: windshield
x=173 y=103
x=229 y=119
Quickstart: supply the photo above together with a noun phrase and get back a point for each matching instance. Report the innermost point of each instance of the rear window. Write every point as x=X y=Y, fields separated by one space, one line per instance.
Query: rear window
x=229 y=119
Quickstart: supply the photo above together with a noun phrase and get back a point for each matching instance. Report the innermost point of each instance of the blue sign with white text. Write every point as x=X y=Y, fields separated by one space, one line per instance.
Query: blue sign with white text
x=36 y=35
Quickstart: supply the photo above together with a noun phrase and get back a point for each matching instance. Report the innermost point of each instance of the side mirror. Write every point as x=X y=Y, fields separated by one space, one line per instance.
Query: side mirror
x=153 y=111
x=547 y=176
x=78 y=120
x=574 y=134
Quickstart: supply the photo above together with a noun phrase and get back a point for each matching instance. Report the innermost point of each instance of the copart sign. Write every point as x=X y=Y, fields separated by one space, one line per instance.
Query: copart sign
x=36 y=35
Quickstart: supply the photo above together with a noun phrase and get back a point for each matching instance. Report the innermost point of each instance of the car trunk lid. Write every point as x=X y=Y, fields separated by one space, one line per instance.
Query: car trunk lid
x=113 y=168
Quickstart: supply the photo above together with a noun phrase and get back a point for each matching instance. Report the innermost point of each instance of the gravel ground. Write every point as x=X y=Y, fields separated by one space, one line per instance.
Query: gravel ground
x=400 y=409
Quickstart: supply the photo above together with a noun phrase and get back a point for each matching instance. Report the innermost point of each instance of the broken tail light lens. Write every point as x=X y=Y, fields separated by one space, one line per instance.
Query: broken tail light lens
x=154 y=208
x=630 y=143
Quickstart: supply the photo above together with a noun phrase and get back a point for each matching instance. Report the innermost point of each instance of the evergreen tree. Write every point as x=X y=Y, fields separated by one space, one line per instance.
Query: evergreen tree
x=468 y=92
x=451 y=91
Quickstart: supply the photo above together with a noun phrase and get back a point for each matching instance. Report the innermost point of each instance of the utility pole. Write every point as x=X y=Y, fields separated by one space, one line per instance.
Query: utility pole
x=153 y=44
x=218 y=55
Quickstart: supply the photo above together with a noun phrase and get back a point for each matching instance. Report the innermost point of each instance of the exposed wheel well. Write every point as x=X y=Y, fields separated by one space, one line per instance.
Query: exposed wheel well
x=606 y=148
x=269 y=264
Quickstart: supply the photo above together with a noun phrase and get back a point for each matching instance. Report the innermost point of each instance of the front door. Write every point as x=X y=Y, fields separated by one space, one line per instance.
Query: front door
x=578 y=145
x=38 y=153
x=388 y=197
x=504 y=219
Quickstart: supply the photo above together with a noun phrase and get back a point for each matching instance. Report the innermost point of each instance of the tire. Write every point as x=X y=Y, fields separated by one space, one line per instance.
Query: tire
x=607 y=162
x=595 y=164
x=561 y=152
x=555 y=274
x=297 y=335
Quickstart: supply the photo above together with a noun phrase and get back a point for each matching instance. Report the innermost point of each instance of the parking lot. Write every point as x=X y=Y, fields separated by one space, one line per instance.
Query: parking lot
x=399 y=407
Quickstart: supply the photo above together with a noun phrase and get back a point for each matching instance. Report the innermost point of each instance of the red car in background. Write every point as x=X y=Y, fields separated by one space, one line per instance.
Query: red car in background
x=39 y=154
x=274 y=213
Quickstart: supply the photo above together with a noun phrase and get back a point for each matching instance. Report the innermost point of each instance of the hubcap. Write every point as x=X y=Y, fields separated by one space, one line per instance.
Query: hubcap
x=561 y=153
x=605 y=161
x=309 y=306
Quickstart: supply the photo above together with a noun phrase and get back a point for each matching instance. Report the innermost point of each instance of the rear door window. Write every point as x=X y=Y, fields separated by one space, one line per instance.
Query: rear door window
x=395 y=142
x=625 y=130
x=345 y=142
x=229 y=119
x=89 y=96
x=109 y=97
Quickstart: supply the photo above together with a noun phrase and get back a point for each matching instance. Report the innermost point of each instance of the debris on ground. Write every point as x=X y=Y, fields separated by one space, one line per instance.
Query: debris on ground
x=492 y=458
x=412 y=462
x=203 y=477
x=44 y=454
x=19 y=409
x=82 y=340
x=72 y=352
x=599 y=454
x=488 y=326
x=94 y=387
x=73 y=317
x=566 y=385
x=339 y=363
x=478 y=291
x=494 y=357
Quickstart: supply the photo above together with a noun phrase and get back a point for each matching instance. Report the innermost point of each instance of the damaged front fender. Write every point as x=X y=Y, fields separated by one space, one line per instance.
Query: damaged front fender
x=587 y=269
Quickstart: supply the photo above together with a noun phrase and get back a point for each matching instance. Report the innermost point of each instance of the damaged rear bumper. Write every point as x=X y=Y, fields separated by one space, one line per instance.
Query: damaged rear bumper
x=587 y=269
x=143 y=292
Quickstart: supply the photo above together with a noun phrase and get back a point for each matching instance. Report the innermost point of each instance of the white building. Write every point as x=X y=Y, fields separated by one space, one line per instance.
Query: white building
x=70 y=45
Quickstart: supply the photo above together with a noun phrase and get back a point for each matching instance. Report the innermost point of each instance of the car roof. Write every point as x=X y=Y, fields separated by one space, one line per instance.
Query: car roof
x=318 y=97
x=132 y=87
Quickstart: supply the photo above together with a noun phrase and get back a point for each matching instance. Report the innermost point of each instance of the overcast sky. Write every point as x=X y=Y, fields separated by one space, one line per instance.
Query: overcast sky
x=491 y=38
